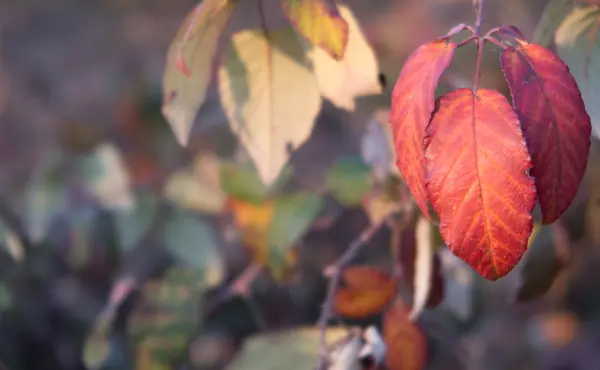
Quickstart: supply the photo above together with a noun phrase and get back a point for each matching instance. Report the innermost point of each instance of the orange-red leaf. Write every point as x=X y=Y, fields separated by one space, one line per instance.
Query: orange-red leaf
x=320 y=22
x=554 y=121
x=406 y=343
x=477 y=164
x=366 y=292
x=413 y=101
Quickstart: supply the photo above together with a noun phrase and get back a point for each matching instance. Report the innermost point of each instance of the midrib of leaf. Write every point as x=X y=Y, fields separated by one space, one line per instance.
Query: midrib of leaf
x=483 y=203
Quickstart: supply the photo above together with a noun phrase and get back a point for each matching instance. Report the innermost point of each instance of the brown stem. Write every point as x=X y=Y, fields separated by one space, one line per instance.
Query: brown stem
x=480 y=41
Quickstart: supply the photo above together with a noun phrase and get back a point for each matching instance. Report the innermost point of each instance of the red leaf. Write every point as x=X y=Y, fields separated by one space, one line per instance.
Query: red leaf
x=366 y=292
x=554 y=122
x=406 y=343
x=477 y=165
x=413 y=101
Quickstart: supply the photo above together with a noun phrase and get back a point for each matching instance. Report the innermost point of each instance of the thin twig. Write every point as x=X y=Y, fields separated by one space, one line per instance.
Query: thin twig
x=336 y=269
x=480 y=40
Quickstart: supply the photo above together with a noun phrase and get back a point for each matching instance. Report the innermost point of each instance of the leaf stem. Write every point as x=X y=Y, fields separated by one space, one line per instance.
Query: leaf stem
x=480 y=40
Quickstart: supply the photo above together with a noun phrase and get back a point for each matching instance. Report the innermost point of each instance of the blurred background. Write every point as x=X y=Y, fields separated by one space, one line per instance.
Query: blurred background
x=80 y=84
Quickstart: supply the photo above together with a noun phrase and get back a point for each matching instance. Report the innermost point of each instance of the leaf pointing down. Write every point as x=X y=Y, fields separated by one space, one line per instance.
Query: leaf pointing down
x=477 y=152
x=577 y=43
x=269 y=95
x=413 y=101
x=554 y=122
x=320 y=22
x=354 y=75
x=189 y=64
x=423 y=278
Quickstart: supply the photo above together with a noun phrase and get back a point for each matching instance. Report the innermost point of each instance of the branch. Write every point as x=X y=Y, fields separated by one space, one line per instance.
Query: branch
x=335 y=271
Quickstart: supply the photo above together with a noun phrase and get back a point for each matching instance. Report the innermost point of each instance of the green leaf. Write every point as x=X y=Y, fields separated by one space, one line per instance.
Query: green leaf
x=320 y=22
x=106 y=177
x=167 y=316
x=241 y=181
x=293 y=215
x=553 y=15
x=300 y=347
x=133 y=225
x=194 y=242
x=349 y=180
x=341 y=81
x=190 y=64
x=270 y=96
x=577 y=43
x=45 y=196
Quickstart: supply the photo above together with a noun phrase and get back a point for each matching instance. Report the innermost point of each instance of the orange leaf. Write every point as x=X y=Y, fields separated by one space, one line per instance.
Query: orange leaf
x=477 y=165
x=413 y=101
x=406 y=343
x=320 y=22
x=554 y=122
x=367 y=291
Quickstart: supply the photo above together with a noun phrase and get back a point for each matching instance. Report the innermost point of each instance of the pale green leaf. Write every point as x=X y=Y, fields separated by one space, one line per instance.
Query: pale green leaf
x=299 y=348
x=578 y=44
x=194 y=242
x=106 y=176
x=355 y=75
x=553 y=15
x=198 y=188
x=45 y=197
x=270 y=96
x=190 y=64
x=349 y=181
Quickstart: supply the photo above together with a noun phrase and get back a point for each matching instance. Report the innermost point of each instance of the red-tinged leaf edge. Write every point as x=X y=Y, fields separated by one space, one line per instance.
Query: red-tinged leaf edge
x=330 y=10
x=413 y=101
x=477 y=163
x=557 y=132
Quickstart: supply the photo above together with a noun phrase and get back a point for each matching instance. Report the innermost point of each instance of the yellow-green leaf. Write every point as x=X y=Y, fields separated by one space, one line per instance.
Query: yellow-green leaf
x=356 y=74
x=577 y=43
x=270 y=96
x=320 y=22
x=554 y=13
x=189 y=64
x=349 y=181
x=300 y=347
x=293 y=215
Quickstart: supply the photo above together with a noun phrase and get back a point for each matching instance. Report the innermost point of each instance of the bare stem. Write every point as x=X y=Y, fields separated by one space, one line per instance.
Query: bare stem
x=480 y=41
x=336 y=273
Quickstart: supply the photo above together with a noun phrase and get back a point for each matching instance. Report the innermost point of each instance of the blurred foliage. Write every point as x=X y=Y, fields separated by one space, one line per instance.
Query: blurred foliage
x=119 y=249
